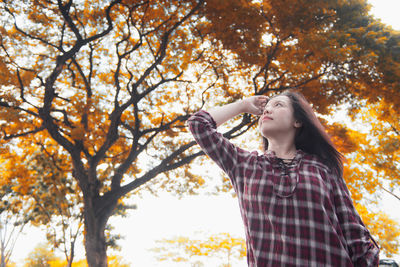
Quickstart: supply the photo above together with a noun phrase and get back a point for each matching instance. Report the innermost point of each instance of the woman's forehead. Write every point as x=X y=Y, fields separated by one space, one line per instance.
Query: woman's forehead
x=282 y=98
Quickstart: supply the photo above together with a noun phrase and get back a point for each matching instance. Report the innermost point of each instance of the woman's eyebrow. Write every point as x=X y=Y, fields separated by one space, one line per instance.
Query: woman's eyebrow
x=274 y=101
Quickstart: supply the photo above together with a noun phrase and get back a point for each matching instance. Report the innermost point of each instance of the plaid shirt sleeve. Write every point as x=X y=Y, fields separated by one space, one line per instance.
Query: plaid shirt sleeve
x=225 y=154
x=362 y=248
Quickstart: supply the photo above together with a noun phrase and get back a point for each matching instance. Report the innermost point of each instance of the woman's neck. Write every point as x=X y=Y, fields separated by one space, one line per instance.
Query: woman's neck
x=282 y=150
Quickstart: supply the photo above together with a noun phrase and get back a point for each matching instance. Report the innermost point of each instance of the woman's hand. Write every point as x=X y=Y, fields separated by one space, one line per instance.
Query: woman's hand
x=255 y=104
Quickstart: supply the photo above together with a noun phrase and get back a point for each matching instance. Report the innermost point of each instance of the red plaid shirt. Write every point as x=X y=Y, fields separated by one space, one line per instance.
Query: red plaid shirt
x=302 y=218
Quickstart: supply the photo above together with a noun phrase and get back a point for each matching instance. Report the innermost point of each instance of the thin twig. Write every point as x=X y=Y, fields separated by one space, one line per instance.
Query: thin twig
x=391 y=193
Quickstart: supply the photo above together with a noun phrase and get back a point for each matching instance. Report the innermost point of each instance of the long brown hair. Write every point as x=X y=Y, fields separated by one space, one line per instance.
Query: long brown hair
x=311 y=136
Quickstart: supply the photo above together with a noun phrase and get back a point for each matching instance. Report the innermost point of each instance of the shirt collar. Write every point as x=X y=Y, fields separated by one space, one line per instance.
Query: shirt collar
x=274 y=160
x=285 y=185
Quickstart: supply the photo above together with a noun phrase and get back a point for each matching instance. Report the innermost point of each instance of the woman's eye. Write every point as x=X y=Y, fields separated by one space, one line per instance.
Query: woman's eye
x=278 y=104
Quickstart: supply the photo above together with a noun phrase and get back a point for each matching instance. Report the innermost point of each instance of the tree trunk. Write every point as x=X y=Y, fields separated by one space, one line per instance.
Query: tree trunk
x=95 y=242
x=72 y=254
x=2 y=252
x=3 y=261
x=97 y=211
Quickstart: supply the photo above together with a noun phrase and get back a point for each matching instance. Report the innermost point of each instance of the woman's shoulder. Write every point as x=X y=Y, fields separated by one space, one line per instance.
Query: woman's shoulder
x=313 y=164
x=310 y=160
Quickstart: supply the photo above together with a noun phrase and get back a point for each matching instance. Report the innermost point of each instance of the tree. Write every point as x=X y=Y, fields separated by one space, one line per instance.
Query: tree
x=378 y=153
x=118 y=131
x=105 y=87
x=54 y=198
x=49 y=198
x=183 y=249
x=11 y=224
x=383 y=152
x=41 y=256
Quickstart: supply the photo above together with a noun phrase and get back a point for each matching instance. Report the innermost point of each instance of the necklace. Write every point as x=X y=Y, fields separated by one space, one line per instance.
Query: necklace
x=287 y=160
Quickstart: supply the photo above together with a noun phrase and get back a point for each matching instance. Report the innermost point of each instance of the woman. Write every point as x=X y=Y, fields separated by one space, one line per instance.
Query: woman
x=294 y=203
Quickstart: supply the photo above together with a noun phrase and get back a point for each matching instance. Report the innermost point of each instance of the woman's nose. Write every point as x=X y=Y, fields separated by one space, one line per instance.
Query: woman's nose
x=266 y=110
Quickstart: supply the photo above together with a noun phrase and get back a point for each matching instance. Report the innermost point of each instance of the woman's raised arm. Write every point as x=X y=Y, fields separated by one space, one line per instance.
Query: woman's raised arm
x=253 y=105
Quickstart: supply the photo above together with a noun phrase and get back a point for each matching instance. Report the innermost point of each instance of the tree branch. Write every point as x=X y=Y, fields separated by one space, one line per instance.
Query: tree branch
x=163 y=47
x=8 y=137
x=162 y=167
x=65 y=13
x=116 y=179
x=27 y=34
x=391 y=193
x=265 y=68
x=115 y=116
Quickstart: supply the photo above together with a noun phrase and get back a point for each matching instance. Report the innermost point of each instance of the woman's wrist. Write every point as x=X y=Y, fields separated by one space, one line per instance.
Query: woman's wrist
x=242 y=106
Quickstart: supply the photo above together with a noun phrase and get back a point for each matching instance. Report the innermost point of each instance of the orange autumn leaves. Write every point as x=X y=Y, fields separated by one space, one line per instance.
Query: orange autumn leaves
x=126 y=90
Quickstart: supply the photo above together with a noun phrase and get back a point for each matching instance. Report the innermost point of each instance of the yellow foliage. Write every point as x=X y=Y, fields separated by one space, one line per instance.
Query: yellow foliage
x=183 y=248
x=113 y=261
x=372 y=166
x=382 y=227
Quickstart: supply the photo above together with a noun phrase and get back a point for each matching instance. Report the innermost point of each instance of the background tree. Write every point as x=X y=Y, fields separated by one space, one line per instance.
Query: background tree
x=115 y=140
x=41 y=256
x=56 y=202
x=105 y=87
x=382 y=153
x=183 y=249
x=48 y=199
x=12 y=222
x=43 y=195
x=378 y=154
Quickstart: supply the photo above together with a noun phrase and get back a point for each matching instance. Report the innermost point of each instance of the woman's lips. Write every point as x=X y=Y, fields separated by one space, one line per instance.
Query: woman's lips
x=266 y=118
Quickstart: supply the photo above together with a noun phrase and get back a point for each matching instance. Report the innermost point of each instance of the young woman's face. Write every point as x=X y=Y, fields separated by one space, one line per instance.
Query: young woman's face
x=277 y=117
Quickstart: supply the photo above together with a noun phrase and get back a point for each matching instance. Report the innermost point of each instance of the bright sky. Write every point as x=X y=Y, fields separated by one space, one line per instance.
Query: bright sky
x=387 y=11
x=167 y=216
